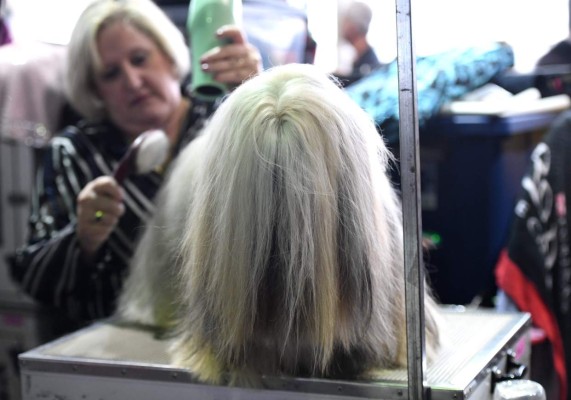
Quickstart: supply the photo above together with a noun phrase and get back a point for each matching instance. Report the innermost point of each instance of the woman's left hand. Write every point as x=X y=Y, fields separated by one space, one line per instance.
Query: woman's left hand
x=235 y=62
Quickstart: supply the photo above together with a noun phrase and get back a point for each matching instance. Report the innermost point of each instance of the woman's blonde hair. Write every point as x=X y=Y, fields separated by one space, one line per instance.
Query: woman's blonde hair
x=83 y=58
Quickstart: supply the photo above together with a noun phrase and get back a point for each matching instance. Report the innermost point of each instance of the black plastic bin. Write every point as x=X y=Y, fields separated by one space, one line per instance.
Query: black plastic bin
x=471 y=170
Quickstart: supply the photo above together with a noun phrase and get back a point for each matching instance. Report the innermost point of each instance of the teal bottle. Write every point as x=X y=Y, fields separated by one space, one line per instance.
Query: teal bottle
x=205 y=17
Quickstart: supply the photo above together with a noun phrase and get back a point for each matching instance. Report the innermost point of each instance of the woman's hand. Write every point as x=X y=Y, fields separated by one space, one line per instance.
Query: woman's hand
x=99 y=207
x=235 y=62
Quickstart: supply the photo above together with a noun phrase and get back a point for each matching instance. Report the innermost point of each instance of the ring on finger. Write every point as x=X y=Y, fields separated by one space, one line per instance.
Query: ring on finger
x=98 y=215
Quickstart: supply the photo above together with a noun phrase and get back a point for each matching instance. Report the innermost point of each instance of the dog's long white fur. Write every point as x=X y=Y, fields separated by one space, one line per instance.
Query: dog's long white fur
x=277 y=245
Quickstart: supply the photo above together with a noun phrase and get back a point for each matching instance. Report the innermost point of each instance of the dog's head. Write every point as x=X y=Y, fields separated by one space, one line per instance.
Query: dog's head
x=281 y=237
x=294 y=238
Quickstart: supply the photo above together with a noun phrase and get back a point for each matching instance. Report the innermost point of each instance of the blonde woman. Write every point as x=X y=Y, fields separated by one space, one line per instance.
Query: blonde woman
x=126 y=66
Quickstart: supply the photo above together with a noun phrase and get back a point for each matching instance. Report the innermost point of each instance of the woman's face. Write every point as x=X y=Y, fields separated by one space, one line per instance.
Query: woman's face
x=137 y=82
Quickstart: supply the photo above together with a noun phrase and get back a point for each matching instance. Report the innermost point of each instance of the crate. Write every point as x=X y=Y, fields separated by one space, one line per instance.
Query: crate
x=17 y=174
x=19 y=332
x=19 y=316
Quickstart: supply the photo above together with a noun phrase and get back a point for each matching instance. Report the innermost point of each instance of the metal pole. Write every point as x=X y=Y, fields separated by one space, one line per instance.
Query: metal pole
x=410 y=185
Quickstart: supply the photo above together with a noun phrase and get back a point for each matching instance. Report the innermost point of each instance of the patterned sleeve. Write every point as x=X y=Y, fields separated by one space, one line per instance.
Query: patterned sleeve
x=50 y=266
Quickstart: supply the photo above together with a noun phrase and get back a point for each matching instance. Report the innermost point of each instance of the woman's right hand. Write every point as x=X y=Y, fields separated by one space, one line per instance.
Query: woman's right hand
x=99 y=207
x=234 y=62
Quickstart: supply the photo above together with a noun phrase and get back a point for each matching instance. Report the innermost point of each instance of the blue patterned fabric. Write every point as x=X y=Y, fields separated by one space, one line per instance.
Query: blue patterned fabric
x=440 y=78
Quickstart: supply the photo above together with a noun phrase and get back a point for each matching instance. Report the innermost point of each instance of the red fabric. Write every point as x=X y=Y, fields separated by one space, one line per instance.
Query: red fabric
x=525 y=295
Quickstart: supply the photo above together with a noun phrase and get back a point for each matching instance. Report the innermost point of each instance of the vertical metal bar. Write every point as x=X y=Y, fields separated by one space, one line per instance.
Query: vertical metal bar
x=410 y=185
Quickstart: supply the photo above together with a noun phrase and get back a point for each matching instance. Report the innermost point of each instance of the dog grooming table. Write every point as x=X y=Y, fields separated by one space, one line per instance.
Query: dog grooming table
x=109 y=361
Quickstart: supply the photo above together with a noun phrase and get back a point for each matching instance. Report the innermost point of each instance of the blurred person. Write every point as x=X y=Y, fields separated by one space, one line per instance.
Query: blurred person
x=558 y=54
x=125 y=71
x=534 y=269
x=355 y=21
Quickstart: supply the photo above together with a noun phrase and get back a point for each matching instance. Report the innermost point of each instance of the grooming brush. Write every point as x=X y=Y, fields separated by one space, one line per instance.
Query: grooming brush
x=147 y=152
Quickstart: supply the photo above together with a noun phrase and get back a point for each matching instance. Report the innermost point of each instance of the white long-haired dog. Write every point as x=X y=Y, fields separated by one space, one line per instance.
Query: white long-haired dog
x=277 y=245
